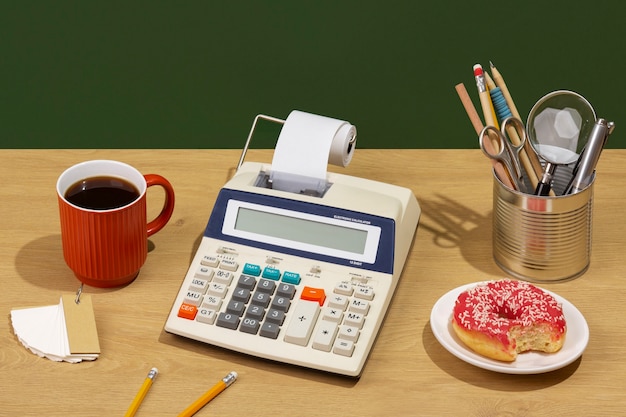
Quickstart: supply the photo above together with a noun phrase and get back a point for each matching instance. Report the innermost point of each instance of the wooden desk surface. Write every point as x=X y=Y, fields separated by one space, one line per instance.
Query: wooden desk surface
x=408 y=372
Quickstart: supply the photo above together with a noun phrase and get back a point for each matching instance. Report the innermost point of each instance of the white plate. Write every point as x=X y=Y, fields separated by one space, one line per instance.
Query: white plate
x=576 y=339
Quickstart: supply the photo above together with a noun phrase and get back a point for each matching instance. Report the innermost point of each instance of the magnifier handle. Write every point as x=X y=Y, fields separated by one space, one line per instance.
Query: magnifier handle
x=543 y=187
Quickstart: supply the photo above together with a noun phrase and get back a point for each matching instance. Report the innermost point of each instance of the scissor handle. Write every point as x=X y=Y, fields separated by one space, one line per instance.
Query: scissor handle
x=507 y=154
x=485 y=140
x=513 y=129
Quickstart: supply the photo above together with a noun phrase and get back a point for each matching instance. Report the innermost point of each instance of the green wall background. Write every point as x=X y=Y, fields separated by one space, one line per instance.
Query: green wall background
x=193 y=74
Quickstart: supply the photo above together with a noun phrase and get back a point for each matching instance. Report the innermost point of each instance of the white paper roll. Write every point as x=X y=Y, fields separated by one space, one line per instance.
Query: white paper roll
x=305 y=146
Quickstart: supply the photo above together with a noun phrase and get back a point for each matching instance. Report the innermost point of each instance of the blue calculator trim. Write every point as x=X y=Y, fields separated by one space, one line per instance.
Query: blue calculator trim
x=386 y=244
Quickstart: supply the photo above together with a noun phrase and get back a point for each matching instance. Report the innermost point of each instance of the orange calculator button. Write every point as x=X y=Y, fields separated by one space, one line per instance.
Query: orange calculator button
x=187 y=311
x=313 y=294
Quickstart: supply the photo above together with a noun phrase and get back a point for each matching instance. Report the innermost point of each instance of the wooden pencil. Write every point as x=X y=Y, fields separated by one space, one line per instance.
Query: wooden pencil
x=499 y=169
x=485 y=99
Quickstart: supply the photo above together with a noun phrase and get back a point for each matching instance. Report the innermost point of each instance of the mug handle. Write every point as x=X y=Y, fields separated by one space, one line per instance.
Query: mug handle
x=168 y=206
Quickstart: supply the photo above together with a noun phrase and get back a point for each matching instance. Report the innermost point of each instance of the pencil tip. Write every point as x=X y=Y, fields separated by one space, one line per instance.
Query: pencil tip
x=491 y=64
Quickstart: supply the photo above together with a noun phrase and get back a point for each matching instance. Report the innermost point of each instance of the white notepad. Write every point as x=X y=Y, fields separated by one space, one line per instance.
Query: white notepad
x=62 y=332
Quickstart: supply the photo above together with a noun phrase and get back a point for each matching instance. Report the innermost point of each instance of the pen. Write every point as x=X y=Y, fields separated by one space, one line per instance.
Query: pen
x=209 y=395
x=586 y=164
x=145 y=387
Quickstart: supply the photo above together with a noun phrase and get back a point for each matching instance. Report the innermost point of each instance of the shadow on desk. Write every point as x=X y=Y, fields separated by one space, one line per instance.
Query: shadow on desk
x=247 y=361
x=453 y=225
x=41 y=263
x=488 y=379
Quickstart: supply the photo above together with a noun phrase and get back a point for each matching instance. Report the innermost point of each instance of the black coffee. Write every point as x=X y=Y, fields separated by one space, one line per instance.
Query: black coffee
x=102 y=193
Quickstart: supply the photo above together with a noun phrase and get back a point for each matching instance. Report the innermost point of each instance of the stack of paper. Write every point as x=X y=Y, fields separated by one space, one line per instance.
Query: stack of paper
x=62 y=332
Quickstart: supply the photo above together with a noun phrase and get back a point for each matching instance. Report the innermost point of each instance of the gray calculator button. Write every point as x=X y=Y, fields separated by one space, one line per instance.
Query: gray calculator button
x=228 y=320
x=255 y=312
x=235 y=307
x=246 y=281
x=269 y=330
x=281 y=303
x=276 y=316
x=266 y=286
x=249 y=325
x=286 y=290
x=241 y=294
x=261 y=299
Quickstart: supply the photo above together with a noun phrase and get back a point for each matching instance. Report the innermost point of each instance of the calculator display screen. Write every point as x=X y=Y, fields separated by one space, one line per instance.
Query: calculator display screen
x=332 y=235
x=301 y=230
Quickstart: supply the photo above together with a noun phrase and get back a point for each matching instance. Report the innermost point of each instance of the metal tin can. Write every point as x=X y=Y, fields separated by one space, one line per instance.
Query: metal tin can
x=542 y=238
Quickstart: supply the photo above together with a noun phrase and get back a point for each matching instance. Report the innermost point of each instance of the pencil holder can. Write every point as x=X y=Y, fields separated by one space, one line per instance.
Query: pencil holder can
x=543 y=238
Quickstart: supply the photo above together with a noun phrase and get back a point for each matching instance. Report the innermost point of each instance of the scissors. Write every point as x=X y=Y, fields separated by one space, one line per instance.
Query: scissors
x=507 y=150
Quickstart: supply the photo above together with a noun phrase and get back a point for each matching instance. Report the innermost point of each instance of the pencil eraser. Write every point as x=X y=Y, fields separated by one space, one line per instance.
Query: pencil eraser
x=478 y=69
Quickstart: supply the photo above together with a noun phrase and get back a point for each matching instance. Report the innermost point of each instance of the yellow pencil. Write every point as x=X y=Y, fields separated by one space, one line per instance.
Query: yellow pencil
x=485 y=100
x=145 y=387
x=209 y=395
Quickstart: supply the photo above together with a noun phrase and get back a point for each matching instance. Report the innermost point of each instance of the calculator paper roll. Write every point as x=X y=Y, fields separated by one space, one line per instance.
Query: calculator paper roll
x=306 y=145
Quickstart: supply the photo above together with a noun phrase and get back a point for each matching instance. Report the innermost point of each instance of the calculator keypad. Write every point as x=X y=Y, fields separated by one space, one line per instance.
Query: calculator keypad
x=256 y=300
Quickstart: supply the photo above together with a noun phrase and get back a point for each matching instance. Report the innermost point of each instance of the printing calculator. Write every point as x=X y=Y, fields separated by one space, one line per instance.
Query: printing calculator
x=297 y=278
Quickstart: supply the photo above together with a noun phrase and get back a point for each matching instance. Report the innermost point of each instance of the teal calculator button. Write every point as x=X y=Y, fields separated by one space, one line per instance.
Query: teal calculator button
x=291 y=277
x=252 y=269
x=271 y=273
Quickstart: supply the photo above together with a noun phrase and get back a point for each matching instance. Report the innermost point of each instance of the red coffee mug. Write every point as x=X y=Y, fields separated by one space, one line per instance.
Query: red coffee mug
x=103 y=244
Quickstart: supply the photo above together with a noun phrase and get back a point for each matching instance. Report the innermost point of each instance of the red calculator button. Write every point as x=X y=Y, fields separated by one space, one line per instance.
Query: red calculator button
x=187 y=311
x=313 y=294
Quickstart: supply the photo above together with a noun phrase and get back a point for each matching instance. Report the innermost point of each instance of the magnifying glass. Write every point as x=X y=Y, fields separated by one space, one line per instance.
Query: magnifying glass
x=558 y=127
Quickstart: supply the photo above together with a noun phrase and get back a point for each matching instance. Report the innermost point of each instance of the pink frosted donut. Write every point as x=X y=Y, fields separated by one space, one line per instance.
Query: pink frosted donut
x=500 y=319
